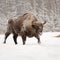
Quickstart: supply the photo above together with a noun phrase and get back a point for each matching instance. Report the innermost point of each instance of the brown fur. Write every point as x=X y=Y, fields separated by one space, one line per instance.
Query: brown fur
x=25 y=25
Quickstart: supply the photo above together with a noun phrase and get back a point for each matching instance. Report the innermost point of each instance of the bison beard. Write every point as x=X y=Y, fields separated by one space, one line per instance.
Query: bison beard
x=25 y=25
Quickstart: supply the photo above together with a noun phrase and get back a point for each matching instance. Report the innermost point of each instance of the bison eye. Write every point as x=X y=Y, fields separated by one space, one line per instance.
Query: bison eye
x=35 y=27
x=40 y=27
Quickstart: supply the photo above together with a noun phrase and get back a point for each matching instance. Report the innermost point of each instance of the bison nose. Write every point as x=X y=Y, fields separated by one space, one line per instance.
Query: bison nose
x=40 y=33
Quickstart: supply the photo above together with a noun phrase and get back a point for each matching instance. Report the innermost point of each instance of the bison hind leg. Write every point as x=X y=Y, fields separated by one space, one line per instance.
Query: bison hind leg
x=15 y=37
x=6 y=36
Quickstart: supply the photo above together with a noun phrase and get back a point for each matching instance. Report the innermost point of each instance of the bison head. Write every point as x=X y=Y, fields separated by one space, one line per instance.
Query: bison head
x=38 y=26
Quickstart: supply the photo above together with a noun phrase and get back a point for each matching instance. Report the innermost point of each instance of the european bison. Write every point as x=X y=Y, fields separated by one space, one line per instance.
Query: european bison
x=25 y=25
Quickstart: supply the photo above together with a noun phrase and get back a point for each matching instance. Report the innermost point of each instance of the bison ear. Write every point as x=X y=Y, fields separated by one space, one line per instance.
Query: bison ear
x=10 y=21
x=35 y=27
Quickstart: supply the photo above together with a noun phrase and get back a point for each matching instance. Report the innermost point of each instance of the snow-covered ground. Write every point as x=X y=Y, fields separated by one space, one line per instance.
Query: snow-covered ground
x=49 y=49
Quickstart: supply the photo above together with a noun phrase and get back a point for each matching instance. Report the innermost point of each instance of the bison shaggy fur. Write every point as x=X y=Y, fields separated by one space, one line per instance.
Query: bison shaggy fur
x=26 y=25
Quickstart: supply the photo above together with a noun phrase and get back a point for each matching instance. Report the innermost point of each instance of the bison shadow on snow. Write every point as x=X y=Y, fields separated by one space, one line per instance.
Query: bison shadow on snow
x=26 y=25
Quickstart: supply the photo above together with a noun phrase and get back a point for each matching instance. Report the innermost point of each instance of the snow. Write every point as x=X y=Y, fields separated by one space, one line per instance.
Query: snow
x=49 y=49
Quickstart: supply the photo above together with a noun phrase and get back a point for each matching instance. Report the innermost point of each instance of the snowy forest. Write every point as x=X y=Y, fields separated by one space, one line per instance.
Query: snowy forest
x=48 y=10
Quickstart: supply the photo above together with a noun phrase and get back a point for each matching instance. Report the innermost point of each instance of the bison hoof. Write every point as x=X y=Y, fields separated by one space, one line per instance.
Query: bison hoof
x=39 y=42
x=4 y=42
x=16 y=43
x=23 y=43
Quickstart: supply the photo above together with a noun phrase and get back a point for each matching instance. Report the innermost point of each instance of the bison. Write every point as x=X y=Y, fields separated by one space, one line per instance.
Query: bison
x=26 y=25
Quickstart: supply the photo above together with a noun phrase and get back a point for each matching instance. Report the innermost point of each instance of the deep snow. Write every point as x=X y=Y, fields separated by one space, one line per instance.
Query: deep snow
x=49 y=49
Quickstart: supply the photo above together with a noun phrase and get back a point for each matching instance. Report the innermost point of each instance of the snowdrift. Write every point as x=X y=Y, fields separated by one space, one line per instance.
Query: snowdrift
x=49 y=49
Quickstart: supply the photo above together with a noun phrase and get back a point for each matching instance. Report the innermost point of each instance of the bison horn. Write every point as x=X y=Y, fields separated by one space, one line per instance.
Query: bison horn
x=44 y=23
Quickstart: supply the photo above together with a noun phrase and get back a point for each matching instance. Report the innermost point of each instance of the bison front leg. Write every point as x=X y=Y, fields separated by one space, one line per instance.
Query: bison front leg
x=37 y=36
x=23 y=39
x=15 y=37
x=6 y=35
